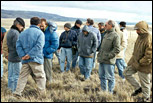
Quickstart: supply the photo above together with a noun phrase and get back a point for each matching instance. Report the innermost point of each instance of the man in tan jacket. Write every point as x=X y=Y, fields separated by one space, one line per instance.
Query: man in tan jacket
x=120 y=62
x=5 y=47
x=141 y=62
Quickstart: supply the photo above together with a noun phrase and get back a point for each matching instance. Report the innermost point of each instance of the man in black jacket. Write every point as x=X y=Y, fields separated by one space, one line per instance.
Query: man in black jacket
x=67 y=40
x=76 y=28
x=14 y=62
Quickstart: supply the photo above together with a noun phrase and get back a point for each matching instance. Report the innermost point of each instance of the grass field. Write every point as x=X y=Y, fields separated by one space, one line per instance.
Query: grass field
x=69 y=87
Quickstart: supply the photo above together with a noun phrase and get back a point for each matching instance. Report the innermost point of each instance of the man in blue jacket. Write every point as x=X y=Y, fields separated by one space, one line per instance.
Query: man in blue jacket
x=67 y=40
x=51 y=45
x=30 y=48
x=90 y=24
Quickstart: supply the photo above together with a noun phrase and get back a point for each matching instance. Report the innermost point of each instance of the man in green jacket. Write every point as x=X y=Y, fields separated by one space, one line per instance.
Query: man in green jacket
x=110 y=47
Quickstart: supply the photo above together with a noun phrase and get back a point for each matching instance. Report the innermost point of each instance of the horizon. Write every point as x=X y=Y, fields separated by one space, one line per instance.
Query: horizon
x=126 y=11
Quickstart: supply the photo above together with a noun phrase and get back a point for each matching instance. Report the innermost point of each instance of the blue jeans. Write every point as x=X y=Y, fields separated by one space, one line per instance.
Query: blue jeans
x=75 y=59
x=65 y=52
x=1 y=65
x=13 y=74
x=58 y=56
x=94 y=60
x=85 y=65
x=121 y=65
x=106 y=72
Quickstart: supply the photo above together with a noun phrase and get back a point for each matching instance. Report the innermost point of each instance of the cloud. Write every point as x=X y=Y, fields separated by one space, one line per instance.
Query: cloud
x=116 y=10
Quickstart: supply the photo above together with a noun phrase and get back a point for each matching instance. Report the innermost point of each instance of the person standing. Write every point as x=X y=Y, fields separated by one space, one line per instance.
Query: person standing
x=102 y=30
x=120 y=62
x=90 y=24
x=3 y=31
x=141 y=62
x=30 y=48
x=123 y=28
x=87 y=45
x=110 y=47
x=125 y=33
x=67 y=40
x=76 y=28
x=51 y=45
x=14 y=61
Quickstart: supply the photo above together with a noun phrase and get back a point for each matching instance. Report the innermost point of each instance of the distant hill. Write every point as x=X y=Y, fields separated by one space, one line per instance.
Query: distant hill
x=29 y=14
x=48 y=16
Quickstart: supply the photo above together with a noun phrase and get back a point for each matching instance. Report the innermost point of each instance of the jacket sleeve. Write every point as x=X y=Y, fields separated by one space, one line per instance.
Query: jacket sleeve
x=99 y=38
x=74 y=38
x=54 y=44
x=37 y=47
x=95 y=44
x=147 y=58
x=116 y=48
x=19 y=48
x=14 y=39
x=60 y=40
x=123 y=42
x=4 y=46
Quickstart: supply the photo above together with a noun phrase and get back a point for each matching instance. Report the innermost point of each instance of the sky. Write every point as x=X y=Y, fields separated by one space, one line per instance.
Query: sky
x=130 y=11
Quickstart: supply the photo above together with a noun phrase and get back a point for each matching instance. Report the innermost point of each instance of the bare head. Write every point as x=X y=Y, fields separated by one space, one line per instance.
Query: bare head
x=89 y=22
x=35 y=21
x=43 y=24
x=110 y=24
x=101 y=25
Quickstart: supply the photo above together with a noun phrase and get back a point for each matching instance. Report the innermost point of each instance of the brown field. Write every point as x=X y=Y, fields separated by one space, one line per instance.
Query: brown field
x=68 y=87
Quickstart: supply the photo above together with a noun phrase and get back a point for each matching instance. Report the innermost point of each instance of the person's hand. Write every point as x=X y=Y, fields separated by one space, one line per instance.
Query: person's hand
x=6 y=57
x=26 y=57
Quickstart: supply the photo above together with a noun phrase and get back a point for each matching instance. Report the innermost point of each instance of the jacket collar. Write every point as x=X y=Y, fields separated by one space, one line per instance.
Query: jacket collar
x=34 y=26
x=14 y=27
x=111 y=30
x=46 y=28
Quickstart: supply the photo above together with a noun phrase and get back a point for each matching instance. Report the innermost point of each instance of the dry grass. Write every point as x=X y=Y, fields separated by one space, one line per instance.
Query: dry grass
x=68 y=86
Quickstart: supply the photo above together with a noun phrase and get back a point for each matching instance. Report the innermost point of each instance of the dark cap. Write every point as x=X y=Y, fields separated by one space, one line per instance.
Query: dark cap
x=122 y=23
x=21 y=21
x=78 y=22
x=68 y=25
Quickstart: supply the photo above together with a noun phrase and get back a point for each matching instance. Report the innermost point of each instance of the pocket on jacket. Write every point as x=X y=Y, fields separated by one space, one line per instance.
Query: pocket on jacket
x=89 y=51
x=105 y=56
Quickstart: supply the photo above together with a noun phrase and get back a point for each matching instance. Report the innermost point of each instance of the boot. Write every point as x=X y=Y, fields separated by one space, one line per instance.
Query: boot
x=143 y=100
x=137 y=92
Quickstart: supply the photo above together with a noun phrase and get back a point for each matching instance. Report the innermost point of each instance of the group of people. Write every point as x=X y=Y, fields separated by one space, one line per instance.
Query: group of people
x=31 y=52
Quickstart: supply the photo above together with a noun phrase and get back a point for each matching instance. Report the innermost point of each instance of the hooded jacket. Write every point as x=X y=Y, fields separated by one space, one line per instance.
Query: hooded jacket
x=97 y=33
x=141 y=59
x=51 y=40
x=123 y=42
x=110 y=47
x=87 y=44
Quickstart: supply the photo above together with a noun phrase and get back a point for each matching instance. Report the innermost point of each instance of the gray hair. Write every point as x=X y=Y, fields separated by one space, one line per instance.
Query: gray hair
x=111 y=22
x=16 y=22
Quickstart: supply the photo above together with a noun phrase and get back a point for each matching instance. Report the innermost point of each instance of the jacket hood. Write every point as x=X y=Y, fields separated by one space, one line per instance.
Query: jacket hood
x=142 y=26
x=52 y=26
x=117 y=28
x=86 y=28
